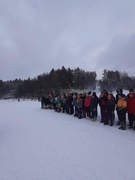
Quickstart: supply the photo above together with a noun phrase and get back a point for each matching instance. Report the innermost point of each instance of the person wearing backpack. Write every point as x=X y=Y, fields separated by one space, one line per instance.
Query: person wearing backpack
x=121 y=108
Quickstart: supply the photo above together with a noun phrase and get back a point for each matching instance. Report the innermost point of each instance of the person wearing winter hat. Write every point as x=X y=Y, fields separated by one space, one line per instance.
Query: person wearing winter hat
x=75 y=105
x=102 y=104
x=119 y=92
x=121 y=108
x=93 y=106
x=105 y=92
x=110 y=107
x=130 y=91
x=131 y=110
x=79 y=106
x=87 y=103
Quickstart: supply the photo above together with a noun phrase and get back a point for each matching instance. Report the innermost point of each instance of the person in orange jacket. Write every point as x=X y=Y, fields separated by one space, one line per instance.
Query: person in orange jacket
x=121 y=108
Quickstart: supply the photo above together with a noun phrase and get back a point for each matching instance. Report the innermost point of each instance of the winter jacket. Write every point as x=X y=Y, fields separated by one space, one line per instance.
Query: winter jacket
x=87 y=101
x=94 y=102
x=131 y=105
x=75 y=102
x=63 y=100
x=103 y=102
x=121 y=105
x=79 y=103
x=69 y=101
x=110 y=106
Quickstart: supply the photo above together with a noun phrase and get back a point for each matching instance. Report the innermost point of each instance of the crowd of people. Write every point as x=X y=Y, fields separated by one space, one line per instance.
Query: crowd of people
x=85 y=105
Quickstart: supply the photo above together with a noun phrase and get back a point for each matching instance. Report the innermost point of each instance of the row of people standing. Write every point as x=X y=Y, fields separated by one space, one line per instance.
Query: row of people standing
x=86 y=106
x=123 y=104
x=77 y=104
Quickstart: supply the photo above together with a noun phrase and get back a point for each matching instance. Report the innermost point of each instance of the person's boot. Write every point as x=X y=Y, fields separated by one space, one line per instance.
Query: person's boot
x=123 y=128
x=111 y=124
x=95 y=118
x=130 y=127
x=118 y=123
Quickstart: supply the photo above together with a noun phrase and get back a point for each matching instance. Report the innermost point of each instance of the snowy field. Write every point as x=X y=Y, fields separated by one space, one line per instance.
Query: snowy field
x=39 y=144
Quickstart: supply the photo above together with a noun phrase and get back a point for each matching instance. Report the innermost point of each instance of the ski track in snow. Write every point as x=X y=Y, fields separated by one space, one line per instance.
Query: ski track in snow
x=38 y=144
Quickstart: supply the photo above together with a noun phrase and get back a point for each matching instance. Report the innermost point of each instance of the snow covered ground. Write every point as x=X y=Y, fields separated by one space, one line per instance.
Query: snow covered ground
x=39 y=144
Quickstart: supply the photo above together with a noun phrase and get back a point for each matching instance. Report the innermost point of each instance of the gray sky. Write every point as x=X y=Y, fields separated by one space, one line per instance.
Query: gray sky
x=38 y=35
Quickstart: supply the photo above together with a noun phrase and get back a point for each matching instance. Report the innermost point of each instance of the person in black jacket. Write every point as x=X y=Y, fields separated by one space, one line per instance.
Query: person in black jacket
x=119 y=92
x=69 y=104
x=110 y=107
x=102 y=104
x=43 y=102
x=93 y=106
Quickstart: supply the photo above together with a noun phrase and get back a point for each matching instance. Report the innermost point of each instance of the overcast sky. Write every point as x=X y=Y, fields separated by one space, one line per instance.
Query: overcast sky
x=38 y=35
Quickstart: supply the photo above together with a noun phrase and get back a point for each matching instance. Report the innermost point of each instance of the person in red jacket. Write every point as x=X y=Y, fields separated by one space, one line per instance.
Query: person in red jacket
x=131 y=109
x=87 y=103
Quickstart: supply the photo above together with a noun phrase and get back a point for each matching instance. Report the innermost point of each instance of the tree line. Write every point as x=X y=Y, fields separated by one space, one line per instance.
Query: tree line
x=64 y=80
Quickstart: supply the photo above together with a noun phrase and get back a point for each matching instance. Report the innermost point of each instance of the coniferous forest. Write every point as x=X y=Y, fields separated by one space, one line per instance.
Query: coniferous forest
x=65 y=80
